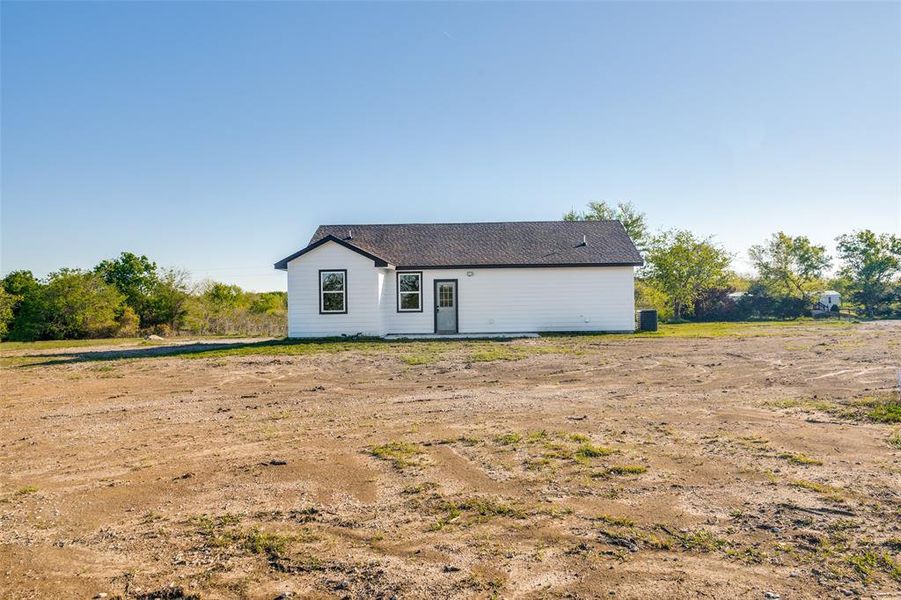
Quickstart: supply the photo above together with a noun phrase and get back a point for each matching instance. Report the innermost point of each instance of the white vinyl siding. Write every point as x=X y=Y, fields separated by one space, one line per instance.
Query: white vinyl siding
x=363 y=289
x=520 y=300
x=505 y=300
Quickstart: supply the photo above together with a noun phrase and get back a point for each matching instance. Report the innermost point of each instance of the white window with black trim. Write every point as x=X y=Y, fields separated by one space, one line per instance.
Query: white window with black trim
x=333 y=292
x=409 y=291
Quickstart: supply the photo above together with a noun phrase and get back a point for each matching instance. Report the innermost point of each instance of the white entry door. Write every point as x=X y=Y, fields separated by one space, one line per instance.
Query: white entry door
x=446 y=306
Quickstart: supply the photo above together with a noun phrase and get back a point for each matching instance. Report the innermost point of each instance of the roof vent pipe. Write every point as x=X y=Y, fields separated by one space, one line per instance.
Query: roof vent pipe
x=350 y=234
x=584 y=240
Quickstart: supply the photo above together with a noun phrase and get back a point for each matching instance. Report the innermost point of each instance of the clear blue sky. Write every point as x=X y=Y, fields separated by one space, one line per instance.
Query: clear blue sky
x=216 y=136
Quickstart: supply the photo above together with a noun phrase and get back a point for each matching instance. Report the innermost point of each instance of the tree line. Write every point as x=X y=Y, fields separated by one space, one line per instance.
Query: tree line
x=690 y=277
x=129 y=296
x=685 y=277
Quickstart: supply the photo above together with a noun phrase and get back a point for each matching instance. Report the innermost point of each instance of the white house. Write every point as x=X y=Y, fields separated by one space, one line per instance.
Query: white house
x=462 y=278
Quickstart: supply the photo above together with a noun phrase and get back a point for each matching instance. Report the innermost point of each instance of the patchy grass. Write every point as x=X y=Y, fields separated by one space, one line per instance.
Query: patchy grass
x=832 y=493
x=739 y=328
x=810 y=405
x=867 y=562
x=489 y=507
x=619 y=471
x=588 y=450
x=411 y=352
x=537 y=436
x=208 y=524
x=420 y=488
x=487 y=579
x=799 y=459
x=401 y=454
x=26 y=490
x=886 y=412
x=223 y=532
x=615 y=521
x=539 y=449
x=477 y=509
x=884 y=408
x=416 y=359
x=701 y=540
x=508 y=439
x=256 y=541
x=491 y=354
x=56 y=344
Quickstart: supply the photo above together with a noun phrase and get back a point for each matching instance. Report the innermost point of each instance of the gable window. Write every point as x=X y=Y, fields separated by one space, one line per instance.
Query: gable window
x=333 y=292
x=409 y=292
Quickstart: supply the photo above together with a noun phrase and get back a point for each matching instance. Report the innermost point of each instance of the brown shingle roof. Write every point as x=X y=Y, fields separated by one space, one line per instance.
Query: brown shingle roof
x=514 y=244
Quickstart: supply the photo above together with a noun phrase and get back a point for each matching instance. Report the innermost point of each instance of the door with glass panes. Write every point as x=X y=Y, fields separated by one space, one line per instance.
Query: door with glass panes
x=446 y=306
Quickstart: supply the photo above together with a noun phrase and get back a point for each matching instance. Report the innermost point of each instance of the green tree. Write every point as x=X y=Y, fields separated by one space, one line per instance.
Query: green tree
x=20 y=284
x=684 y=267
x=789 y=268
x=223 y=297
x=7 y=301
x=870 y=264
x=269 y=303
x=167 y=303
x=27 y=322
x=79 y=304
x=633 y=221
x=135 y=277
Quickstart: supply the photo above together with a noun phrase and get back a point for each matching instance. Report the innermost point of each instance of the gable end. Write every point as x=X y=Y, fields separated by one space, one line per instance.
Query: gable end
x=282 y=265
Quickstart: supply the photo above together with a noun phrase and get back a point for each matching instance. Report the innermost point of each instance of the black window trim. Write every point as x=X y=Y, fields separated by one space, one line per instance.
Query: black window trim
x=332 y=312
x=421 y=293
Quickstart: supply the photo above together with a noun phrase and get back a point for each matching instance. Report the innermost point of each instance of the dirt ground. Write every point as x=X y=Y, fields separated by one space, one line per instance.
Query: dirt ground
x=747 y=464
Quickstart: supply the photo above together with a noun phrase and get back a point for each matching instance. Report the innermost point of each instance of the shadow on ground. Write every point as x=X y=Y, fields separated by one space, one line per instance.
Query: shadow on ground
x=69 y=356
x=290 y=346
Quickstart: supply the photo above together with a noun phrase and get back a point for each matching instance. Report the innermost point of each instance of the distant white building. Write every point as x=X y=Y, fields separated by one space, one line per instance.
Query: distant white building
x=828 y=299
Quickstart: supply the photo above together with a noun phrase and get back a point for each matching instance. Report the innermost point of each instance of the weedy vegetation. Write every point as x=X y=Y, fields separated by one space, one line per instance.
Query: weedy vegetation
x=400 y=454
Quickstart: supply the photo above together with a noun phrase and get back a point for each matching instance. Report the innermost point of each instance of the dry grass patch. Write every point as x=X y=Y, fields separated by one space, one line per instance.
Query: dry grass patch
x=26 y=490
x=895 y=439
x=616 y=521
